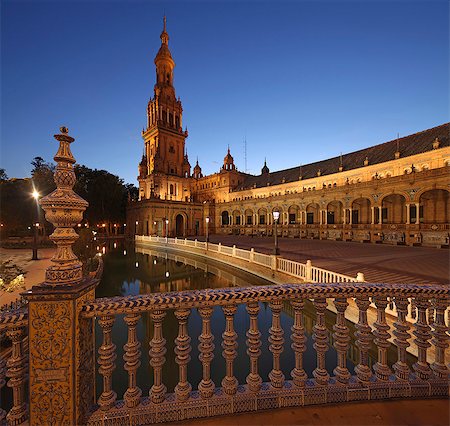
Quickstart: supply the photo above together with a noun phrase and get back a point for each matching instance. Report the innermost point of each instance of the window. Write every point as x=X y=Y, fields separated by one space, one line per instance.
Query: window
x=292 y=218
x=330 y=218
x=238 y=219
x=249 y=220
x=171 y=189
x=262 y=219
x=310 y=218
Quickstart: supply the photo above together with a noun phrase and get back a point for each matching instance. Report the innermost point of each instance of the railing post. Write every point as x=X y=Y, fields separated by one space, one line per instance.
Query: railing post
x=401 y=338
x=360 y=277
x=381 y=333
x=422 y=333
x=320 y=338
x=206 y=349
x=219 y=246
x=273 y=262
x=276 y=341
x=254 y=380
x=229 y=345
x=156 y=353
x=234 y=250
x=440 y=338
x=308 y=271
x=341 y=341
x=61 y=354
x=132 y=361
x=195 y=242
x=182 y=350
x=252 y=255
x=299 y=339
x=363 y=339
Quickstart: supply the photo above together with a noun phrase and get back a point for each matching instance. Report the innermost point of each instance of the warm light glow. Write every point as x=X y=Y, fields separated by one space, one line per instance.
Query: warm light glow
x=167 y=274
x=79 y=225
x=167 y=221
x=207 y=219
x=115 y=245
x=154 y=262
x=35 y=194
x=103 y=250
x=36 y=224
x=103 y=224
x=124 y=252
x=136 y=264
x=137 y=222
x=124 y=224
x=276 y=215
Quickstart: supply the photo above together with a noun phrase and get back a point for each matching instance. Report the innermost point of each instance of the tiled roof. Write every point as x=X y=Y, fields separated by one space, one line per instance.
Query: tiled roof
x=409 y=145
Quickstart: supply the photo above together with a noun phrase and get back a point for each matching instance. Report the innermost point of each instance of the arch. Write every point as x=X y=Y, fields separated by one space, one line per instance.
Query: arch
x=335 y=213
x=262 y=216
x=293 y=214
x=393 y=209
x=180 y=225
x=435 y=206
x=312 y=214
x=236 y=215
x=361 y=212
x=225 y=218
x=248 y=217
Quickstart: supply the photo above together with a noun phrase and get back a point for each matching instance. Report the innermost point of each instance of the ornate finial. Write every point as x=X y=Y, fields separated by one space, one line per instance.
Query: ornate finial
x=165 y=22
x=397 y=153
x=164 y=36
x=64 y=209
x=366 y=161
x=436 y=143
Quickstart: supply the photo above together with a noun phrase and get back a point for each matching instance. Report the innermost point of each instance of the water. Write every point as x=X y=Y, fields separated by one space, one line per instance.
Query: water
x=127 y=272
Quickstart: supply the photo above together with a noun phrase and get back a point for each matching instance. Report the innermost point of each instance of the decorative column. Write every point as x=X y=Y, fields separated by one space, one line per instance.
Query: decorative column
x=350 y=216
x=107 y=352
x=344 y=210
x=157 y=359
x=440 y=338
x=253 y=347
x=16 y=371
x=320 y=338
x=298 y=338
x=417 y=213
x=276 y=341
x=61 y=342
x=408 y=213
x=372 y=210
x=206 y=349
x=401 y=338
x=422 y=333
x=380 y=215
x=382 y=371
x=132 y=361
x=229 y=345
x=341 y=341
x=364 y=338
x=182 y=350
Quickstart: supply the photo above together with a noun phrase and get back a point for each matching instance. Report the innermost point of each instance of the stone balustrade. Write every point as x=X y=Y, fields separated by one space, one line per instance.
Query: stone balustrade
x=427 y=377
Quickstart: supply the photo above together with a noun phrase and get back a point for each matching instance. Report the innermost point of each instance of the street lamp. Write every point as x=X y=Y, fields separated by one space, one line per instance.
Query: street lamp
x=207 y=226
x=167 y=229
x=276 y=216
x=35 y=249
x=136 y=227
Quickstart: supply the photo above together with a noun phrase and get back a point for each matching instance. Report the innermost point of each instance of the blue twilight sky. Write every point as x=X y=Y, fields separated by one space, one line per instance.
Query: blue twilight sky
x=301 y=80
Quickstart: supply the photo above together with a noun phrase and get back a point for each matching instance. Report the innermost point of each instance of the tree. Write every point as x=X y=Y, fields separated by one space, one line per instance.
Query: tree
x=42 y=176
x=3 y=175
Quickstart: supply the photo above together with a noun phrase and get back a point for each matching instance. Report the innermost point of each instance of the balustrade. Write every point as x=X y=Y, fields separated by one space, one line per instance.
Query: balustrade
x=255 y=394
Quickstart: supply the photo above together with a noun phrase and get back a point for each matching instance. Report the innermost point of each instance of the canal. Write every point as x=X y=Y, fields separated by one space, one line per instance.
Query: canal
x=129 y=271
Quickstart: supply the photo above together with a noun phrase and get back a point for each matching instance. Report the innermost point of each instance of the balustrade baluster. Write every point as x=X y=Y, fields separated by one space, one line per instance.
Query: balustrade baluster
x=182 y=350
x=363 y=338
x=341 y=341
x=253 y=347
x=440 y=338
x=16 y=371
x=276 y=341
x=106 y=361
x=229 y=345
x=2 y=383
x=320 y=338
x=206 y=349
x=422 y=333
x=382 y=370
x=157 y=359
x=401 y=341
x=298 y=338
x=132 y=357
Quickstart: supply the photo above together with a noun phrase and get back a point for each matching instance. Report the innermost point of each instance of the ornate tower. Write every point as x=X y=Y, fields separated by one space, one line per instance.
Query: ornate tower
x=164 y=137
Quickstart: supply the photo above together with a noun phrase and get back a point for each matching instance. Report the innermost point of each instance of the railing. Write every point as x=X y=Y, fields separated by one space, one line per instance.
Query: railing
x=427 y=376
x=303 y=271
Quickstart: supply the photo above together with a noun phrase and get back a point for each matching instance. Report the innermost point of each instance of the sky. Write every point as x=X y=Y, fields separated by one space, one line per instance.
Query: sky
x=300 y=81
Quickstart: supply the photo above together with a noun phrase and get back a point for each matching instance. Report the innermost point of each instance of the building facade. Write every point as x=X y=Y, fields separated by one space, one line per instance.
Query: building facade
x=396 y=192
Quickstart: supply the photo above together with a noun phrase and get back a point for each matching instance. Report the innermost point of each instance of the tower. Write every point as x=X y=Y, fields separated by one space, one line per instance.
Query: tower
x=164 y=138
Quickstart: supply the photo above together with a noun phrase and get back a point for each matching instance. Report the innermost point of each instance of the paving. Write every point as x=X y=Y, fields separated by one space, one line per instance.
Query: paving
x=379 y=263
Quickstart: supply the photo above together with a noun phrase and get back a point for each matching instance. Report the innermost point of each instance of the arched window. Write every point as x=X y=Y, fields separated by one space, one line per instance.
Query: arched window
x=171 y=189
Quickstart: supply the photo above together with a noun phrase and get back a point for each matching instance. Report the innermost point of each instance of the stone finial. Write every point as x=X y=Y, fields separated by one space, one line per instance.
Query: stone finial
x=436 y=143
x=64 y=209
x=319 y=172
x=366 y=161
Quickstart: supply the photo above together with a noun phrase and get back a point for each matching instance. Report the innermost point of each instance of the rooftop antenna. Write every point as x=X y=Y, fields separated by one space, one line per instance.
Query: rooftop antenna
x=245 y=153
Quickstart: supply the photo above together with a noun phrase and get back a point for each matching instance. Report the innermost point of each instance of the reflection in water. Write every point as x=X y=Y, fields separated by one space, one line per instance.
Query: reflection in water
x=129 y=272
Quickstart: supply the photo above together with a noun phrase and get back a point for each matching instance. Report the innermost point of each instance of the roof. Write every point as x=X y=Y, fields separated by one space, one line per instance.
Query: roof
x=416 y=143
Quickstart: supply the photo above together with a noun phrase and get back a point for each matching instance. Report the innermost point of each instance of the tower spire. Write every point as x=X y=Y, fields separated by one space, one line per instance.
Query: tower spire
x=164 y=36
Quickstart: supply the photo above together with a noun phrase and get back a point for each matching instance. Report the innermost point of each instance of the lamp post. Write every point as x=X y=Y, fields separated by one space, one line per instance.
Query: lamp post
x=207 y=226
x=167 y=230
x=276 y=216
x=136 y=227
x=35 y=249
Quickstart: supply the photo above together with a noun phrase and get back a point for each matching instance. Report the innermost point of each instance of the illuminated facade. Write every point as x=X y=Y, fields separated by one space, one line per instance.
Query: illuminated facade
x=396 y=192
